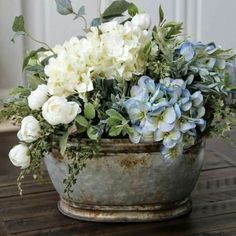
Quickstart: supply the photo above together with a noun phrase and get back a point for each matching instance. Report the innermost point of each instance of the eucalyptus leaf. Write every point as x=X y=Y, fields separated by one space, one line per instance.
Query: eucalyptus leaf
x=64 y=7
x=89 y=111
x=81 y=12
x=96 y=22
x=82 y=121
x=116 y=8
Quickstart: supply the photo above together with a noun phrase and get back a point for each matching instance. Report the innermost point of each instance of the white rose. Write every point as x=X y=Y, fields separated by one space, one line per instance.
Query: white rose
x=38 y=97
x=142 y=20
x=30 y=129
x=57 y=110
x=19 y=156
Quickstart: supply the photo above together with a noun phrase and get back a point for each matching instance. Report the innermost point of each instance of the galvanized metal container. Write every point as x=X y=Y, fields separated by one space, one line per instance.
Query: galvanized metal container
x=129 y=183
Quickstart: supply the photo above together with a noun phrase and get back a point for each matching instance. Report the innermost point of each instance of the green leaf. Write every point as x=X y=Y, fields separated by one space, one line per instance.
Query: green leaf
x=89 y=111
x=82 y=121
x=64 y=138
x=115 y=114
x=161 y=14
x=132 y=10
x=113 y=121
x=116 y=8
x=64 y=7
x=37 y=70
x=93 y=132
x=18 y=24
x=147 y=49
x=63 y=142
x=32 y=54
x=81 y=129
x=81 y=12
x=115 y=131
x=34 y=81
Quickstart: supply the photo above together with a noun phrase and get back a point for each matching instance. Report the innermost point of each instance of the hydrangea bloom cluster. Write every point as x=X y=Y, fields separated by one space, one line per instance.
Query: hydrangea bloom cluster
x=112 y=50
x=164 y=111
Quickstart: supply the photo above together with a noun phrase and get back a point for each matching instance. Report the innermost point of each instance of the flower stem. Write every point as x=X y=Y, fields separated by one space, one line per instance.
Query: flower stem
x=40 y=42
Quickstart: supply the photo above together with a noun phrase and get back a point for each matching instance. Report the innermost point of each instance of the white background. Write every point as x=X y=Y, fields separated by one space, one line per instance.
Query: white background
x=205 y=20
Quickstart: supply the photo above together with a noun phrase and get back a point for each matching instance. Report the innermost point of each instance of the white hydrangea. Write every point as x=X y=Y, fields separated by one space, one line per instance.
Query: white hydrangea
x=111 y=51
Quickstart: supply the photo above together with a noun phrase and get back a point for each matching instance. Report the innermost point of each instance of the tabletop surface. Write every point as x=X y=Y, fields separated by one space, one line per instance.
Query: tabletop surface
x=35 y=213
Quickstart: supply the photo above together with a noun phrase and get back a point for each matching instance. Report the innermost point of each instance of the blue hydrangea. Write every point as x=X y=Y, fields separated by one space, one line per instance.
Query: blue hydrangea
x=164 y=112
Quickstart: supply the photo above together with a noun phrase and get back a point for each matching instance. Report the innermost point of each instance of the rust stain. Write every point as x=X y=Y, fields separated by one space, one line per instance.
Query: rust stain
x=56 y=154
x=128 y=163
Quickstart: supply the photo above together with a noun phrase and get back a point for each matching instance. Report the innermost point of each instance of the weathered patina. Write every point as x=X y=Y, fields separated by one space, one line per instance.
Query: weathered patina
x=129 y=182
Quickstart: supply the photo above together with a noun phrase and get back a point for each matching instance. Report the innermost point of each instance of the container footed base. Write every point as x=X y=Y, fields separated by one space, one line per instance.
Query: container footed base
x=141 y=213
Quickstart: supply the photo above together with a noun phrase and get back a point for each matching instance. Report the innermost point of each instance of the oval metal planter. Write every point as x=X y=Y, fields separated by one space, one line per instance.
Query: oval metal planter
x=129 y=183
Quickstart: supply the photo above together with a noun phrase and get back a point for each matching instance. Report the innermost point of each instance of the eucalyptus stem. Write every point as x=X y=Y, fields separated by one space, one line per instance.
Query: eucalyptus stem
x=99 y=7
x=84 y=19
x=40 y=42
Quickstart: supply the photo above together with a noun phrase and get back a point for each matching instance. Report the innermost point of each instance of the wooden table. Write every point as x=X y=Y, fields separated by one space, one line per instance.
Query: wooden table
x=214 y=205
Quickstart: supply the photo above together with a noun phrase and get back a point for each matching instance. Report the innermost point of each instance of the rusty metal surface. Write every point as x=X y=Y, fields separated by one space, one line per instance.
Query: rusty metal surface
x=117 y=185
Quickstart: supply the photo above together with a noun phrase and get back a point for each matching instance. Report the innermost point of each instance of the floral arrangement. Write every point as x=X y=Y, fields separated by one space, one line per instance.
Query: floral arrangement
x=123 y=79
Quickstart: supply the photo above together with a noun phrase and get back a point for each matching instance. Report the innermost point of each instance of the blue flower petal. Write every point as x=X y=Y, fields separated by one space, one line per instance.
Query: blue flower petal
x=187 y=50
x=139 y=93
x=177 y=111
x=158 y=135
x=165 y=127
x=197 y=98
x=168 y=142
x=186 y=126
x=169 y=115
x=147 y=83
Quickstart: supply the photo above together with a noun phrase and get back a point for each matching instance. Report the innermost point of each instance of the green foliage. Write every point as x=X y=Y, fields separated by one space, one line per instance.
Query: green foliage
x=161 y=15
x=77 y=156
x=82 y=121
x=117 y=123
x=18 y=27
x=224 y=119
x=133 y=9
x=116 y=9
x=89 y=111
x=16 y=108
x=31 y=55
x=18 y=24
x=64 y=139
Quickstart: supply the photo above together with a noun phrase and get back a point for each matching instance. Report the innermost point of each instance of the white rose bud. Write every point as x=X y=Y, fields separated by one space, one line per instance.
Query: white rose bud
x=142 y=20
x=57 y=110
x=19 y=156
x=30 y=129
x=38 y=97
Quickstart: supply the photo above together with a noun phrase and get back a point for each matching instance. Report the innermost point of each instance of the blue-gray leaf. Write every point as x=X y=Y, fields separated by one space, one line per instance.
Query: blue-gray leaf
x=64 y=7
x=81 y=12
